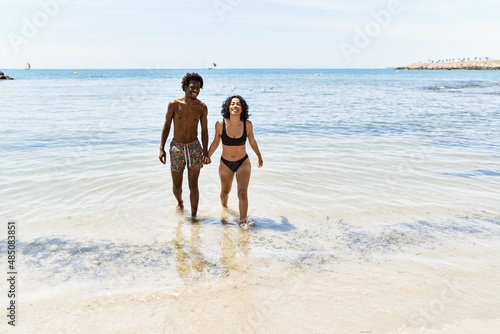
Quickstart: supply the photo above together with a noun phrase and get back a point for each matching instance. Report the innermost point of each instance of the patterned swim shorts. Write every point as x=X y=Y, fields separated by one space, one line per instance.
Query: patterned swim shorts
x=185 y=154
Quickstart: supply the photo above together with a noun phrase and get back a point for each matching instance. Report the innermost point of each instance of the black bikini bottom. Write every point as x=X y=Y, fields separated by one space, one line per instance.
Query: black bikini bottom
x=234 y=165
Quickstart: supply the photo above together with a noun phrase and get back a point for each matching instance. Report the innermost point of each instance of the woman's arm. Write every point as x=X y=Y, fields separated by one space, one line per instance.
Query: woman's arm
x=216 y=141
x=253 y=143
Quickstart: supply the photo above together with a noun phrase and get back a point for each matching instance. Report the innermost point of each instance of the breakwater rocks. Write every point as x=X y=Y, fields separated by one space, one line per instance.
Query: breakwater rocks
x=459 y=65
x=5 y=77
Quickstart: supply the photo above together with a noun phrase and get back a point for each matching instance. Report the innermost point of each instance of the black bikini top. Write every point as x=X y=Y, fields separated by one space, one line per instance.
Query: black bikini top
x=228 y=141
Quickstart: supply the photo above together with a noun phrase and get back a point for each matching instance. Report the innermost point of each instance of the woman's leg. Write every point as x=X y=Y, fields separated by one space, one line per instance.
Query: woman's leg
x=226 y=180
x=243 y=179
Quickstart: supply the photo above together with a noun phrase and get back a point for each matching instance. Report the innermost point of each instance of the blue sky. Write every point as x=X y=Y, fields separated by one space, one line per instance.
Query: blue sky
x=244 y=33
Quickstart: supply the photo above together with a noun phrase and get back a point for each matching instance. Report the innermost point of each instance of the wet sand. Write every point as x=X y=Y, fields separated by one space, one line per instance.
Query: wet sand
x=238 y=287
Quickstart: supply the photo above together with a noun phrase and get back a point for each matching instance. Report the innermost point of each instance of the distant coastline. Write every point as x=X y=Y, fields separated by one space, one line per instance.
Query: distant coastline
x=454 y=65
x=5 y=77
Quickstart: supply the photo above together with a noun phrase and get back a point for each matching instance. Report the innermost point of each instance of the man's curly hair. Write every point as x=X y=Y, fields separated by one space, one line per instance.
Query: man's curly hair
x=244 y=108
x=191 y=77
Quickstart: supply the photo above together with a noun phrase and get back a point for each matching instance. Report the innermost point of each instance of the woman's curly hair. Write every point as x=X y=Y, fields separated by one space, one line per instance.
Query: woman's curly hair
x=191 y=77
x=244 y=108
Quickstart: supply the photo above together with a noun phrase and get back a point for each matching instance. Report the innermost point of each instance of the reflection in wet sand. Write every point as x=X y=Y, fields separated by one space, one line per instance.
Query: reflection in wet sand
x=189 y=257
x=193 y=262
x=231 y=259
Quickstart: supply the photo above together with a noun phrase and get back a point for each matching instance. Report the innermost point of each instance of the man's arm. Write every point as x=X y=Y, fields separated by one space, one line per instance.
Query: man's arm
x=204 y=130
x=166 y=131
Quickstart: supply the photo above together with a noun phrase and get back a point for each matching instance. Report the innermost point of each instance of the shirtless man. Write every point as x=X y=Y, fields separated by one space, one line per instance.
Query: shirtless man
x=185 y=149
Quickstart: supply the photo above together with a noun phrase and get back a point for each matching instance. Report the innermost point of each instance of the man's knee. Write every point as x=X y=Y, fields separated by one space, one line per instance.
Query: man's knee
x=176 y=185
x=193 y=185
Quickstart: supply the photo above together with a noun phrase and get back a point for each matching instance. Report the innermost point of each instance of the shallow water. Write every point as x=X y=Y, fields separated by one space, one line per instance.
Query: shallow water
x=376 y=210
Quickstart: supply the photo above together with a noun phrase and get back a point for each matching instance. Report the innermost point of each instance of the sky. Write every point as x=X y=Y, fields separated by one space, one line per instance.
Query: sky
x=78 y=34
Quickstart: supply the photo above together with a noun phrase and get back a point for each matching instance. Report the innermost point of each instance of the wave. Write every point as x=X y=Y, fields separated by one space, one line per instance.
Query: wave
x=484 y=87
x=474 y=173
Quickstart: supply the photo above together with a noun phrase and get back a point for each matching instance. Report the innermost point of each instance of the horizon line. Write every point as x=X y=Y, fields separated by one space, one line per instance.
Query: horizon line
x=205 y=68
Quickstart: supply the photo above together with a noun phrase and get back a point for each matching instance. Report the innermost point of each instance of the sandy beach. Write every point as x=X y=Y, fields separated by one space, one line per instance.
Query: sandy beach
x=381 y=294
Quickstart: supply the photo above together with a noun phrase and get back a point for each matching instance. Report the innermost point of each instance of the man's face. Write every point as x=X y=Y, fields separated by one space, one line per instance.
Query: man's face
x=193 y=89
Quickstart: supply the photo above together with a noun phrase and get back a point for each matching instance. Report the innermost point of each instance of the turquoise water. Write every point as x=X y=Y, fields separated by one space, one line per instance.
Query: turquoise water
x=358 y=165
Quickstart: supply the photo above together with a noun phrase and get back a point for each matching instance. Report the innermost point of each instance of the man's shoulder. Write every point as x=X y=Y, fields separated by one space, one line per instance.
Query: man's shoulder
x=176 y=101
x=201 y=103
x=200 y=106
x=175 y=104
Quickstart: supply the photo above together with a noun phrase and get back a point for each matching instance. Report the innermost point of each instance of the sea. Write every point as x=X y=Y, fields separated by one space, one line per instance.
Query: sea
x=377 y=209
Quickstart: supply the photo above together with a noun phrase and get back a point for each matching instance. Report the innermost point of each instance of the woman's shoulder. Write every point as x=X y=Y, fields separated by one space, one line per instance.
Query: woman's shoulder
x=218 y=123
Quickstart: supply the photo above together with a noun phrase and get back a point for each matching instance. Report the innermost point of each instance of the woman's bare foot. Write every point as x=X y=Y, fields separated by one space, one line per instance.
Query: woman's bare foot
x=224 y=214
x=247 y=222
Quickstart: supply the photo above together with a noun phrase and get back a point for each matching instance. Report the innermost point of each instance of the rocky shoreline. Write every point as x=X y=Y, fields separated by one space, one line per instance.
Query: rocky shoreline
x=5 y=77
x=458 y=65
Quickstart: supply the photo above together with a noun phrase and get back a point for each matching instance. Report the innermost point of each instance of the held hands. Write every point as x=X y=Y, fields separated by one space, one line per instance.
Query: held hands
x=163 y=158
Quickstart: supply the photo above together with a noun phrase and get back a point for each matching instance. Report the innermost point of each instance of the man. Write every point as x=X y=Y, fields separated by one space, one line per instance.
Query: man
x=185 y=149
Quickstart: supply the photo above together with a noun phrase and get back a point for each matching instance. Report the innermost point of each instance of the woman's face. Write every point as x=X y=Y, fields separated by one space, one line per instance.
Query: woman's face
x=235 y=106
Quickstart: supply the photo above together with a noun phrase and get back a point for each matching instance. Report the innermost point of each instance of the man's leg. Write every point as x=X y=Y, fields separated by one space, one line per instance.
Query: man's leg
x=177 y=188
x=194 y=196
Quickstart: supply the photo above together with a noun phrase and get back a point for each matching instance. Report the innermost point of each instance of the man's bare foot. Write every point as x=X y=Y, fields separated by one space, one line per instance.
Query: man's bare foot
x=180 y=206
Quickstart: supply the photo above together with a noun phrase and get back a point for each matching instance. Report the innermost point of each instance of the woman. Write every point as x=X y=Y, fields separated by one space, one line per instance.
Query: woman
x=233 y=130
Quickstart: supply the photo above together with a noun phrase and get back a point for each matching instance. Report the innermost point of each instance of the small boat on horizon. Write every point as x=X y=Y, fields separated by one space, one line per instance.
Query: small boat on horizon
x=28 y=66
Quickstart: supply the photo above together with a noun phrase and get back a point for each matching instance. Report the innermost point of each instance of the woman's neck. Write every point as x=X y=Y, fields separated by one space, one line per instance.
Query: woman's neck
x=234 y=119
